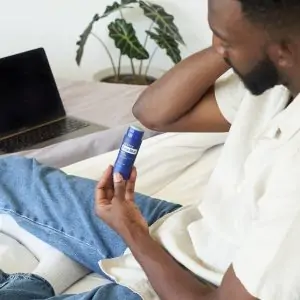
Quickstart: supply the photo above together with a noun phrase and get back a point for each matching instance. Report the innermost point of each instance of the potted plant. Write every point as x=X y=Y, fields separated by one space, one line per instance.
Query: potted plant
x=162 y=31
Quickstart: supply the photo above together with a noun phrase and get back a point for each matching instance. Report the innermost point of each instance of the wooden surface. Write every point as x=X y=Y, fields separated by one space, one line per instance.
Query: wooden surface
x=102 y=103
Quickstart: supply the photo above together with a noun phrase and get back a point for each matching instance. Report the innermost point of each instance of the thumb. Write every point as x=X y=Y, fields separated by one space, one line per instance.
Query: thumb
x=119 y=186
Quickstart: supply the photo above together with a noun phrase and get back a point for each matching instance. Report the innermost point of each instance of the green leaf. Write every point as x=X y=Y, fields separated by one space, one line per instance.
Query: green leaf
x=126 y=40
x=128 y=1
x=164 y=20
x=167 y=43
x=110 y=9
x=83 y=39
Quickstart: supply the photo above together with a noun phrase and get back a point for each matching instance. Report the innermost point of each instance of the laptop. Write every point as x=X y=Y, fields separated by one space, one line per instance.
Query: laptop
x=32 y=114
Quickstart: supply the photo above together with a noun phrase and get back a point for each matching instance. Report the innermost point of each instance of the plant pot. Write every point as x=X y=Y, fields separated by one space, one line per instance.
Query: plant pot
x=126 y=77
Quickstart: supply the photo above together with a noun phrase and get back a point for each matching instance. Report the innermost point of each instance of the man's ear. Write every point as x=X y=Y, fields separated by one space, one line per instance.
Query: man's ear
x=283 y=53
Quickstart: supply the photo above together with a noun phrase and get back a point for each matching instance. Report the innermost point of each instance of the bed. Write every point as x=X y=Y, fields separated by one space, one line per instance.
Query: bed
x=172 y=166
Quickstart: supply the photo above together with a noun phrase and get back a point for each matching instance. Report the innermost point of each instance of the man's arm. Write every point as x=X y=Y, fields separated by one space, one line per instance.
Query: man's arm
x=114 y=204
x=183 y=100
x=171 y=281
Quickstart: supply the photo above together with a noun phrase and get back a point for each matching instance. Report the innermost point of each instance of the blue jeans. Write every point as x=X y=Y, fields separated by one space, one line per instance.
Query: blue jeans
x=59 y=209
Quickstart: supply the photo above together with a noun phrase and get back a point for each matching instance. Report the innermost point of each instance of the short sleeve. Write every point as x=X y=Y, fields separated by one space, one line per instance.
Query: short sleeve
x=229 y=92
x=268 y=261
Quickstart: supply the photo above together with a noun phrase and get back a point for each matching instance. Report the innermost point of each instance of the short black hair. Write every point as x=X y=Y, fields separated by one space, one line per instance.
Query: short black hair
x=273 y=14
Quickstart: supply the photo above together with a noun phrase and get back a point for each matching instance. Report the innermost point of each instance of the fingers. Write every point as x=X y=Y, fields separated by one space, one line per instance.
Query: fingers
x=119 y=187
x=103 y=187
x=106 y=179
x=122 y=189
x=130 y=185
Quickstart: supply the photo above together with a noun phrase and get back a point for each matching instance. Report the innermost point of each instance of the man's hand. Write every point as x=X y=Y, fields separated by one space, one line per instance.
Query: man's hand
x=114 y=204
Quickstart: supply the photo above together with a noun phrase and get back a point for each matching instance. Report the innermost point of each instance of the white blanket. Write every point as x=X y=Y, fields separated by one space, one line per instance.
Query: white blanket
x=173 y=166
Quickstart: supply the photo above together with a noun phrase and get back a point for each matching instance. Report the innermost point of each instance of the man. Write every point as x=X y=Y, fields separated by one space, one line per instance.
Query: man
x=243 y=237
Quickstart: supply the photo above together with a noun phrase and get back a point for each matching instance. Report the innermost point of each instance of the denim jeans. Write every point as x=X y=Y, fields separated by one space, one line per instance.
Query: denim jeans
x=59 y=209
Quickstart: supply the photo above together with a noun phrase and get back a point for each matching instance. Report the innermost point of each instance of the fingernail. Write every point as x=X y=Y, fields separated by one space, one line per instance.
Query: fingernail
x=117 y=177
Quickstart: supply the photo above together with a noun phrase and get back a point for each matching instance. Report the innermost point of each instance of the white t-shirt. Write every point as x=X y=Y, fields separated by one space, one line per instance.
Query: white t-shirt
x=250 y=214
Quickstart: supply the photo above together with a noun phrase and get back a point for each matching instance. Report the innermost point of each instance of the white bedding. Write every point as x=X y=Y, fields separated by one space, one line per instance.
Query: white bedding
x=174 y=167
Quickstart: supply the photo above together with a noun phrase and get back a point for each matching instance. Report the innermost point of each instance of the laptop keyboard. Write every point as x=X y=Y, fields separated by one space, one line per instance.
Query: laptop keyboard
x=30 y=138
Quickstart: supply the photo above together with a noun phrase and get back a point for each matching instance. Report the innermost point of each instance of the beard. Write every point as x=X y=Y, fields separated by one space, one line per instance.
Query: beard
x=262 y=77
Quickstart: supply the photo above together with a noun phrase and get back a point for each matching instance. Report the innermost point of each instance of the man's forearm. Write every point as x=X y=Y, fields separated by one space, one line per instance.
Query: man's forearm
x=181 y=88
x=168 y=278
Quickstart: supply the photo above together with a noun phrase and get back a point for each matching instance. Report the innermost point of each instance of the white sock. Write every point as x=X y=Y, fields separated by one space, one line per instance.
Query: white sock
x=58 y=269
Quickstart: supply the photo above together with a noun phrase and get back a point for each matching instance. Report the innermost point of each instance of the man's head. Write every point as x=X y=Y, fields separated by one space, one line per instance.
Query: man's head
x=260 y=39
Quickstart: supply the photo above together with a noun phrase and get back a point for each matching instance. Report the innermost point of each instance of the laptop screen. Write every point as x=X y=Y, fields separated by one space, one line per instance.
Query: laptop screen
x=28 y=92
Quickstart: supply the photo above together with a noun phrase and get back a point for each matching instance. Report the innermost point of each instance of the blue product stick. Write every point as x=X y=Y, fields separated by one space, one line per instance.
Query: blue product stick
x=128 y=151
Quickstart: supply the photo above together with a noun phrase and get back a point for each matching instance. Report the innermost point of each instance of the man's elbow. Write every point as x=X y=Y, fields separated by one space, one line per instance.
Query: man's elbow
x=145 y=117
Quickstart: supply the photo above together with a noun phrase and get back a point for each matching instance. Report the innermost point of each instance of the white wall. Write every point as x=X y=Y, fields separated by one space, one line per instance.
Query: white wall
x=56 y=25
